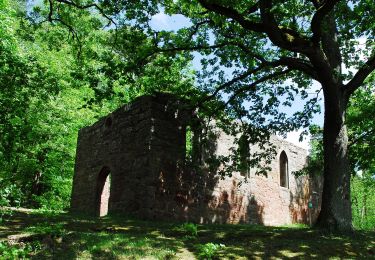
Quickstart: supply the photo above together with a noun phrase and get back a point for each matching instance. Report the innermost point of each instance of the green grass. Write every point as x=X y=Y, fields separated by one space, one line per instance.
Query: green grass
x=37 y=235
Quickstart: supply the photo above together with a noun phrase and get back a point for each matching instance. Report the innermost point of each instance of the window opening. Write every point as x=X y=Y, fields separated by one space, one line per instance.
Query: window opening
x=244 y=154
x=103 y=191
x=189 y=144
x=284 y=178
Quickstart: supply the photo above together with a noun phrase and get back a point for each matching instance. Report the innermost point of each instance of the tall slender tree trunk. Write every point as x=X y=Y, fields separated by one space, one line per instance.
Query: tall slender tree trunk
x=336 y=211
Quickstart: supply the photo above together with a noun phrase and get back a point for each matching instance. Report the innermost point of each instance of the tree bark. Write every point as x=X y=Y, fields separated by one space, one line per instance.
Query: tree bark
x=336 y=213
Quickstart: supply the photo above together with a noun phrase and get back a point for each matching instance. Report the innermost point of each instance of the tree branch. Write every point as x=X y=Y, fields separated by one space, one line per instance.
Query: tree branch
x=361 y=137
x=283 y=37
x=239 y=43
x=233 y=14
x=192 y=48
x=252 y=86
x=182 y=48
x=246 y=50
x=70 y=28
x=294 y=63
x=316 y=3
x=316 y=22
x=94 y=5
x=298 y=64
x=231 y=82
x=50 y=10
x=360 y=76
x=253 y=8
x=291 y=63
x=196 y=27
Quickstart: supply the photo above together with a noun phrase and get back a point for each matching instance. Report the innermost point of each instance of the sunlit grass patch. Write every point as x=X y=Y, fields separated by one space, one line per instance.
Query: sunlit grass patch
x=289 y=253
x=295 y=225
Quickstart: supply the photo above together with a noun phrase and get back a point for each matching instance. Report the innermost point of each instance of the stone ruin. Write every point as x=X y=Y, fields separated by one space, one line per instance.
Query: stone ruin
x=133 y=163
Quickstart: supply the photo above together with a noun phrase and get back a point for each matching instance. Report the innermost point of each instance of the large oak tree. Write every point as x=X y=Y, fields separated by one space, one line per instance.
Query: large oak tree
x=264 y=45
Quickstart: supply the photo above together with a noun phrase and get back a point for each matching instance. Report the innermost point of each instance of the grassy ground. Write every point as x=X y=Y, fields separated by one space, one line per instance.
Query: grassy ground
x=36 y=235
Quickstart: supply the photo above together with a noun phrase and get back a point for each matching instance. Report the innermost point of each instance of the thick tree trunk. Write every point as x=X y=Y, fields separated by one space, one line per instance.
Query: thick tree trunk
x=336 y=211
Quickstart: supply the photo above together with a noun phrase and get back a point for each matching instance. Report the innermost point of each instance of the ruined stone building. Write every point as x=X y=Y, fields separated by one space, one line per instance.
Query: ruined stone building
x=131 y=163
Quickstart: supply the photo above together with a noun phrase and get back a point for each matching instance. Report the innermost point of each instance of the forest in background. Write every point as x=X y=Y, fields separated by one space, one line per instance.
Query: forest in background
x=55 y=81
x=53 y=84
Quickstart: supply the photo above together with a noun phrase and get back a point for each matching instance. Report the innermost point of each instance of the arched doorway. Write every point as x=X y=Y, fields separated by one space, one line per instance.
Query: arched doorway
x=103 y=191
x=284 y=175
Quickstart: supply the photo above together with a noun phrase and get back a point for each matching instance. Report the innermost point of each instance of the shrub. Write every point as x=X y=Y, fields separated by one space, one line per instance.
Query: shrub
x=209 y=250
x=190 y=229
x=15 y=251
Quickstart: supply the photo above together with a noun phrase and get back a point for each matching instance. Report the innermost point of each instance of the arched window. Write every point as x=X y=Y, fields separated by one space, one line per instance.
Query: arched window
x=284 y=175
x=193 y=151
x=103 y=191
x=244 y=153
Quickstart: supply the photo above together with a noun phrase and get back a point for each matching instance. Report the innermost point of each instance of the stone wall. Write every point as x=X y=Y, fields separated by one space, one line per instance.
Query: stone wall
x=132 y=144
x=142 y=146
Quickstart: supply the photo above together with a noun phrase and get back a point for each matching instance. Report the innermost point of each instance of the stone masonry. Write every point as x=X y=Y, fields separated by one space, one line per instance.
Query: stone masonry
x=132 y=163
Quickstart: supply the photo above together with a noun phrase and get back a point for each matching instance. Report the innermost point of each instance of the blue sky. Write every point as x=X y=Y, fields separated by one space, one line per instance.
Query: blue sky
x=162 y=21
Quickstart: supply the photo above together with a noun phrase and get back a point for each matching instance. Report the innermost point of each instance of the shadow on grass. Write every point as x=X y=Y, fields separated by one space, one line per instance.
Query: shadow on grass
x=73 y=237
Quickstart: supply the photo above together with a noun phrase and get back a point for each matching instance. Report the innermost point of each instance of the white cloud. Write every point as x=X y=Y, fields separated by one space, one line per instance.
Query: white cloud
x=293 y=137
x=161 y=20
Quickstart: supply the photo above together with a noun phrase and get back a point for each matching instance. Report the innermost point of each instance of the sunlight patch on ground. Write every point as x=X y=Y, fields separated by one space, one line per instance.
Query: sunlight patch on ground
x=289 y=253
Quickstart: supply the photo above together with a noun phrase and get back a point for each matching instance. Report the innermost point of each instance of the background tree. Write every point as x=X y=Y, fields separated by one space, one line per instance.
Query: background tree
x=361 y=155
x=52 y=86
x=361 y=131
x=41 y=108
x=273 y=50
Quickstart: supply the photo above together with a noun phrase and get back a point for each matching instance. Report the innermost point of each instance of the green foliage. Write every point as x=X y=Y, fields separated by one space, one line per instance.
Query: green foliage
x=208 y=250
x=8 y=25
x=54 y=82
x=189 y=229
x=19 y=251
x=189 y=143
x=14 y=252
x=3 y=214
x=41 y=118
x=56 y=230
x=10 y=195
x=363 y=202
x=361 y=130
x=314 y=166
